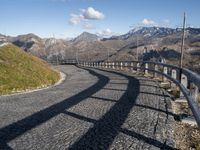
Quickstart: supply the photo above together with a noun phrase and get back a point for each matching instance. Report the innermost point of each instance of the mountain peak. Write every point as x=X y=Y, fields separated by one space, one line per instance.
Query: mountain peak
x=87 y=37
x=146 y=32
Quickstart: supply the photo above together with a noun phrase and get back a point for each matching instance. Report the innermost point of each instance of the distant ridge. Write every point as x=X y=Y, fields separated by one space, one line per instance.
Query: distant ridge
x=86 y=37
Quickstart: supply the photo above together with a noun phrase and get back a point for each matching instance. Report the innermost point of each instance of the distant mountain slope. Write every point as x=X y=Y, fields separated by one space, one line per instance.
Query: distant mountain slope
x=86 y=37
x=21 y=71
x=90 y=47
x=30 y=43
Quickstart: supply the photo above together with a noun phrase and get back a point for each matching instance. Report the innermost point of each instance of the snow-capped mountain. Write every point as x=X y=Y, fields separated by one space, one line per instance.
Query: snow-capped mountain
x=146 y=32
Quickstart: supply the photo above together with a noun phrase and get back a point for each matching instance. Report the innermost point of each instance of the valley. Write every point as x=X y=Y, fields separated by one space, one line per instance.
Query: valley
x=152 y=43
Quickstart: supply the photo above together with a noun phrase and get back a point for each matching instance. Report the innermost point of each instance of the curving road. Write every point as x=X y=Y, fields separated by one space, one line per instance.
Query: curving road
x=91 y=109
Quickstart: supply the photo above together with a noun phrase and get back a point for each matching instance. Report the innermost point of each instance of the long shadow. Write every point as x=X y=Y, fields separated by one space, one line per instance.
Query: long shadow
x=133 y=134
x=118 y=83
x=20 y=127
x=156 y=109
x=104 y=131
x=148 y=140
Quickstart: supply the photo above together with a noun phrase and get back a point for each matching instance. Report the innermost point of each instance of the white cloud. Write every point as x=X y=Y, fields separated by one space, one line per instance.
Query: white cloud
x=92 y=14
x=105 y=33
x=76 y=19
x=86 y=15
x=148 y=22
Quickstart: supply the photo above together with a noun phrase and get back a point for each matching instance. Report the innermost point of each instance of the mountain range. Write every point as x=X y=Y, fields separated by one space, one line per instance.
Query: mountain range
x=155 y=41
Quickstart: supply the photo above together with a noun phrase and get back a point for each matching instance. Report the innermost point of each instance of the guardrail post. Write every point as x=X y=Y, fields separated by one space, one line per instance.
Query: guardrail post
x=109 y=64
x=116 y=66
x=138 y=67
x=103 y=64
x=184 y=82
x=174 y=76
x=113 y=65
x=156 y=69
x=106 y=65
x=131 y=68
x=165 y=71
x=126 y=66
x=146 y=67
x=194 y=91
x=121 y=64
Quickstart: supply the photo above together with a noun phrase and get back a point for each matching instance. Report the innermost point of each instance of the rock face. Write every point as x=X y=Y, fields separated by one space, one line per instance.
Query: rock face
x=86 y=37
x=90 y=47
x=147 y=32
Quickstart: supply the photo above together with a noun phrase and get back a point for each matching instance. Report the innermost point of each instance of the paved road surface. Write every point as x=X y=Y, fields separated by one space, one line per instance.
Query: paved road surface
x=91 y=109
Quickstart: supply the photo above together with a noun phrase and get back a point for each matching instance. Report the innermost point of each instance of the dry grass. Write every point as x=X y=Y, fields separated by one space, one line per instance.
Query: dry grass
x=20 y=71
x=187 y=137
x=175 y=92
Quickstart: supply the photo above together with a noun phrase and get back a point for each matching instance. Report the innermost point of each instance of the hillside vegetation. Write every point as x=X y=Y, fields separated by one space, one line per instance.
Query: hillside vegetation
x=21 y=71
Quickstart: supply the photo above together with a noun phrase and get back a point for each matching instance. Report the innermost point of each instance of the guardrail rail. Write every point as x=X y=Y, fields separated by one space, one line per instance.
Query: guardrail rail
x=187 y=81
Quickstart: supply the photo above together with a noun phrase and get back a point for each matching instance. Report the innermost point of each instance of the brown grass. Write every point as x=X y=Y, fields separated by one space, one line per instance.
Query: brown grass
x=21 y=71
x=187 y=137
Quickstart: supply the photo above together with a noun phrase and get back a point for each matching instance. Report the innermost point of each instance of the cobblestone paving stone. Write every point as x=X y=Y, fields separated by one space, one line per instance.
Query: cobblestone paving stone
x=91 y=109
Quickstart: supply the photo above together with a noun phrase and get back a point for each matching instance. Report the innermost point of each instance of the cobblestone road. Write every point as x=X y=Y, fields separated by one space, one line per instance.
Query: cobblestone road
x=91 y=109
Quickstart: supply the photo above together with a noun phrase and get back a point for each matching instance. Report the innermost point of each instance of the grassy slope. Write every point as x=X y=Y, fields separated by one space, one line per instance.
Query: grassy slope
x=21 y=71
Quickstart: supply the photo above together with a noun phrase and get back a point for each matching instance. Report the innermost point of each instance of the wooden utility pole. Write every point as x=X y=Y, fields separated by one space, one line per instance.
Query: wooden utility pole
x=137 y=49
x=183 y=42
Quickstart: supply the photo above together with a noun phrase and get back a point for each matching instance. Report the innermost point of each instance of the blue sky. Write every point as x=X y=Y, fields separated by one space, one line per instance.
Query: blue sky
x=68 y=18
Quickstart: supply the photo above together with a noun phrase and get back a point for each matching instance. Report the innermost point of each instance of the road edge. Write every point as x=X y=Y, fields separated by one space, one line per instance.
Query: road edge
x=61 y=80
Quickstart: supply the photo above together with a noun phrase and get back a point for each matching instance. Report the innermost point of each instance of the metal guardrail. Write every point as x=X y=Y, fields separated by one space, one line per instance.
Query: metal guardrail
x=63 y=62
x=187 y=81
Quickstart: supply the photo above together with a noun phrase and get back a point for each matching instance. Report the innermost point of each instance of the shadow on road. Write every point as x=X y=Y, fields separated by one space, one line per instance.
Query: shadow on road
x=104 y=130
x=20 y=127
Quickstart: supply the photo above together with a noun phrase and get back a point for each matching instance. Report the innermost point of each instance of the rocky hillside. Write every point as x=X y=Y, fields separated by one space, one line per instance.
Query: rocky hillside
x=164 y=41
x=86 y=37
x=21 y=71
